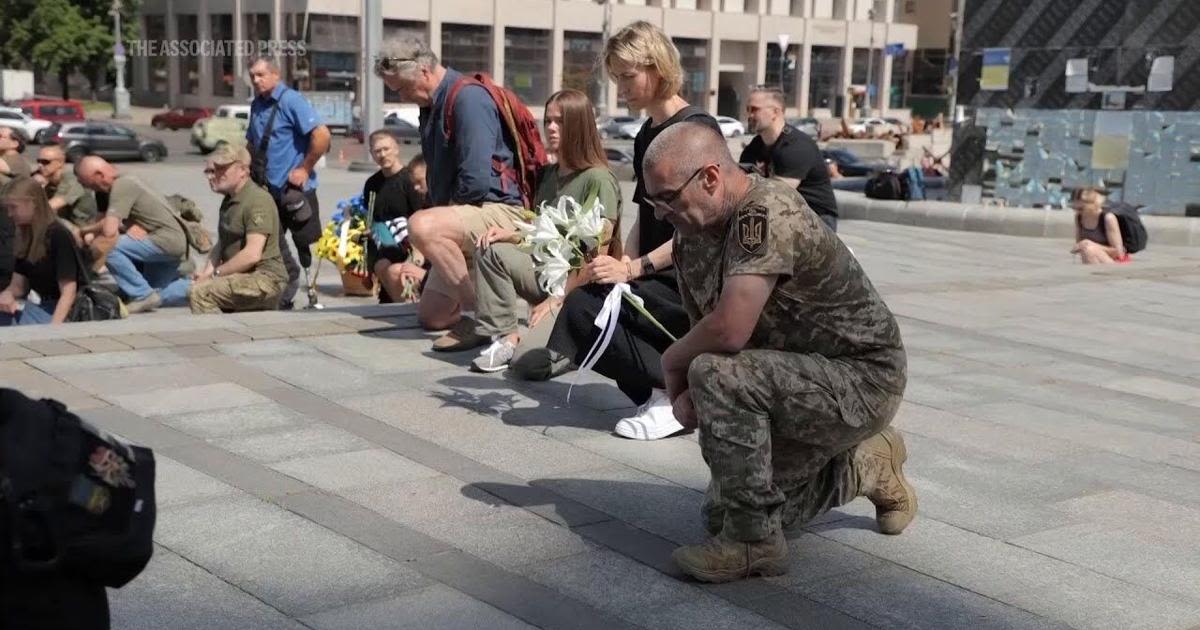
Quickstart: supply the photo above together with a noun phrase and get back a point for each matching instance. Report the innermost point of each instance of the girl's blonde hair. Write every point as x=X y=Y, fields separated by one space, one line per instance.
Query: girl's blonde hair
x=642 y=44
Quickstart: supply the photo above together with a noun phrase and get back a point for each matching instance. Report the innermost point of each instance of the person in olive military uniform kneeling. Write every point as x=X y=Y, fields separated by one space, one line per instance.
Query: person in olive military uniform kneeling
x=793 y=367
x=245 y=271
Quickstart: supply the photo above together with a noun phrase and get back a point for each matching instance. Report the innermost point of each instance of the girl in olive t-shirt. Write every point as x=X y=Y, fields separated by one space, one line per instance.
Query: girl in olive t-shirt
x=501 y=272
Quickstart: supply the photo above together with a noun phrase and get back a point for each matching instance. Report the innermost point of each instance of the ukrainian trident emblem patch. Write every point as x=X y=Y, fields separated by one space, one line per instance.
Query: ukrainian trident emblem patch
x=752 y=229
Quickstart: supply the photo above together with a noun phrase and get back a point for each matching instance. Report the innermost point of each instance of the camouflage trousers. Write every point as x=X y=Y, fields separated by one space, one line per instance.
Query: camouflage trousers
x=236 y=292
x=777 y=430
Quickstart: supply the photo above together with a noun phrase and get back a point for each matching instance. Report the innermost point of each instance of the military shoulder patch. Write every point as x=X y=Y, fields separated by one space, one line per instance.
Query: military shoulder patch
x=752 y=229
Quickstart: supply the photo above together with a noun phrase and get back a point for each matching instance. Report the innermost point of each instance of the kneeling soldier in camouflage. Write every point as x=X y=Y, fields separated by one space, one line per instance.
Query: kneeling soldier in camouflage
x=245 y=271
x=793 y=367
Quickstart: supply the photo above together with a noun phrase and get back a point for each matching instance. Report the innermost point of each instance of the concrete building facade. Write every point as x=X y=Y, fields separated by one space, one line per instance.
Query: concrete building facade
x=835 y=48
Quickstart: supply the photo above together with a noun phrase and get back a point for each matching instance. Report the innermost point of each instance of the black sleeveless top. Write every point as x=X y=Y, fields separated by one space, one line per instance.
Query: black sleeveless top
x=652 y=232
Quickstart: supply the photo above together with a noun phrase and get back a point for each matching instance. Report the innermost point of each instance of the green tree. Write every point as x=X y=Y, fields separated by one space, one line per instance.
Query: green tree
x=64 y=36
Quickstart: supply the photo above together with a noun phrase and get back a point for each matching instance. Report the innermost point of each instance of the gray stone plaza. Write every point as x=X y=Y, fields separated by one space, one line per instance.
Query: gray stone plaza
x=326 y=470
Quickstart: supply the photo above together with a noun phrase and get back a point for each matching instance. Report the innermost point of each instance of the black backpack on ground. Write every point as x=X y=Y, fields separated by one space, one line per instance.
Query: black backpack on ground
x=76 y=501
x=1133 y=231
x=887 y=185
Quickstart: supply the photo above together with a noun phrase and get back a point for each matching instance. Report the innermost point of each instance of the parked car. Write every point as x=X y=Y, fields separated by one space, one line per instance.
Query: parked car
x=731 y=127
x=620 y=162
x=180 y=117
x=850 y=165
x=54 y=110
x=405 y=131
x=877 y=126
x=809 y=125
x=610 y=127
x=109 y=141
x=31 y=129
x=228 y=125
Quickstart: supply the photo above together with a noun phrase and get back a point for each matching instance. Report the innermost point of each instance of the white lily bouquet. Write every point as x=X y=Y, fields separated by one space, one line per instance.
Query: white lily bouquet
x=563 y=238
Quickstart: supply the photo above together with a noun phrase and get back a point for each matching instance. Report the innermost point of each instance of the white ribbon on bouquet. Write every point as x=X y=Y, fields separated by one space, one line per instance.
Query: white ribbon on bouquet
x=606 y=321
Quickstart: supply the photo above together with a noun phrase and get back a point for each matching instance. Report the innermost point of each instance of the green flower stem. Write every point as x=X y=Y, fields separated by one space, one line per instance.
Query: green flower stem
x=641 y=309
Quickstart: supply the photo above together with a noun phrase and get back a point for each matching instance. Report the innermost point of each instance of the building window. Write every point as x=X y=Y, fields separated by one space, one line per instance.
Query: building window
x=582 y=64
x=929 y=71
x=790 y=61
x=256 y=27
x=187 y=28
x=221 y=29
x=825 y=75
x=527 y=63
x=396 y=29
x=333 y=51
x=467 y=48
x=693 y=55
x=159 y=79
x=898 y=94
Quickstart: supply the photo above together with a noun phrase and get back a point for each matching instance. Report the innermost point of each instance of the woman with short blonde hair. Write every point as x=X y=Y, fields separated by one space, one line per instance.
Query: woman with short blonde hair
x=644 y=63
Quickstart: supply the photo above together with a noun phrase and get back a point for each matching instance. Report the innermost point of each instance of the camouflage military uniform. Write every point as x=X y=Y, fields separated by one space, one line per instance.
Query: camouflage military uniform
x=824 y=369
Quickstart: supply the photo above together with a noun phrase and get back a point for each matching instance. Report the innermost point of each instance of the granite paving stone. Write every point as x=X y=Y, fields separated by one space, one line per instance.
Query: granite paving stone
x=100 y=344
x=435 y=607
x=184 y=399
x=312 y=440
x=54 y=347
x=242 y=420
x=339 y=471
x=254 y=546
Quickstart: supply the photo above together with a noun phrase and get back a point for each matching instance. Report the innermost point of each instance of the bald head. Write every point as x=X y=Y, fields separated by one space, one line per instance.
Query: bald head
x=95 y=173
x=690 y=176
x=684 y=147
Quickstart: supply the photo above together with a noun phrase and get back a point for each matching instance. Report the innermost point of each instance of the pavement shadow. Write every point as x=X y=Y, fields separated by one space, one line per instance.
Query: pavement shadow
x=496 y=397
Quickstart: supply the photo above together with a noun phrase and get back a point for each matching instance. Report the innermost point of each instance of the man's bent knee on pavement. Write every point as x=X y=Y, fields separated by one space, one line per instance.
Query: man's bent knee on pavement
x=245 y=270
x=150 y=242
x=793 y=367
x=467 y=194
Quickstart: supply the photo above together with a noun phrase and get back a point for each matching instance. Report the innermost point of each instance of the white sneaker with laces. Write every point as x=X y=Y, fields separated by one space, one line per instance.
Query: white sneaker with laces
x=654 y=420
x=495 y=357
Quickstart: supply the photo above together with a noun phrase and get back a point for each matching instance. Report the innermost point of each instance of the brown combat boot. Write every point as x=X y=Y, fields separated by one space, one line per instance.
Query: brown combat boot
x=879 y=462
x=724 y=560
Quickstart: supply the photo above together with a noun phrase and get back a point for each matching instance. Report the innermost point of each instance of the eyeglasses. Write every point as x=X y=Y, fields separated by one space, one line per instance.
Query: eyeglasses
x=667 y=198
x=391 y=64
x=217 y=170
x=44 y=161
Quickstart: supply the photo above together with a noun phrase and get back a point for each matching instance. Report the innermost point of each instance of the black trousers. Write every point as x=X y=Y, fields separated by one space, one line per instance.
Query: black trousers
x=634 y=357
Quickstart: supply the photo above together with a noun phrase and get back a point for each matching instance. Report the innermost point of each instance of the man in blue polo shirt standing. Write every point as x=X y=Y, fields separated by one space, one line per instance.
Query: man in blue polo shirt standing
x=286 y=139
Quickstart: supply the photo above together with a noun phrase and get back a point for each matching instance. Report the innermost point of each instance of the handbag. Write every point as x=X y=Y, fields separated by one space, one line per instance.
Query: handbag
x=93 y=303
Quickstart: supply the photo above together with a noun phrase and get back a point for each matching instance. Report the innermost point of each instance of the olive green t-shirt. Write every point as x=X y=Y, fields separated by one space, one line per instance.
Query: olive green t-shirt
x=81 y=203
x=822 y=302
x=133 y=202
x=17 y=167
x=582 y=186
x=251 y=210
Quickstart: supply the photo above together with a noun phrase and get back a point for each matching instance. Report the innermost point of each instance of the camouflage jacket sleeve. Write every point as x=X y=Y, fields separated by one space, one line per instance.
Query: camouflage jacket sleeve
x=765 y=238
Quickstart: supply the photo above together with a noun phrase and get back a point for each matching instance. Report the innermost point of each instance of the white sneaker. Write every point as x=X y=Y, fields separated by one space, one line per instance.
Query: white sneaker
x=654 y=420
x=495 y=357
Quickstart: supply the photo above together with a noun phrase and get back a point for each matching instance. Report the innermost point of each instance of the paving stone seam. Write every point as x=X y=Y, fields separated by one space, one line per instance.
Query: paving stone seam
x=236 y=587
x=543 y=612
x=352 y=421
x=1077 y=357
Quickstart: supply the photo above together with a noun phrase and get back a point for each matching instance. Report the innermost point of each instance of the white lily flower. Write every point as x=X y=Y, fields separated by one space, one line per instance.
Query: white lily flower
x=588 y=227
x=552 y=270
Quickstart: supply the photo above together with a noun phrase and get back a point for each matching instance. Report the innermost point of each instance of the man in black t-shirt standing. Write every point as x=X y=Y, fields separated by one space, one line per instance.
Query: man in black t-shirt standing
x=784 y=152
x=399 y=191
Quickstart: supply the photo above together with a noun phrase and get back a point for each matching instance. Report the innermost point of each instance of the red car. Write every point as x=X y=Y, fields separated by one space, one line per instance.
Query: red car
x=54 y=110
x=180 y=117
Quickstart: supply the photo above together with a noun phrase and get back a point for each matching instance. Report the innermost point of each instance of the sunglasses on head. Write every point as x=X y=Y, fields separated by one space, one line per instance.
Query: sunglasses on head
x=391 y=64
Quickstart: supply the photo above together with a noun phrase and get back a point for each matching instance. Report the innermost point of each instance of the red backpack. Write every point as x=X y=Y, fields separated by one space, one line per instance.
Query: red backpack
x=521 y=135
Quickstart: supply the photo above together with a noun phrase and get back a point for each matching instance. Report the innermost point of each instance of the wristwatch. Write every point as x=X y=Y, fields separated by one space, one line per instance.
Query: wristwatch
x=647 y=266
